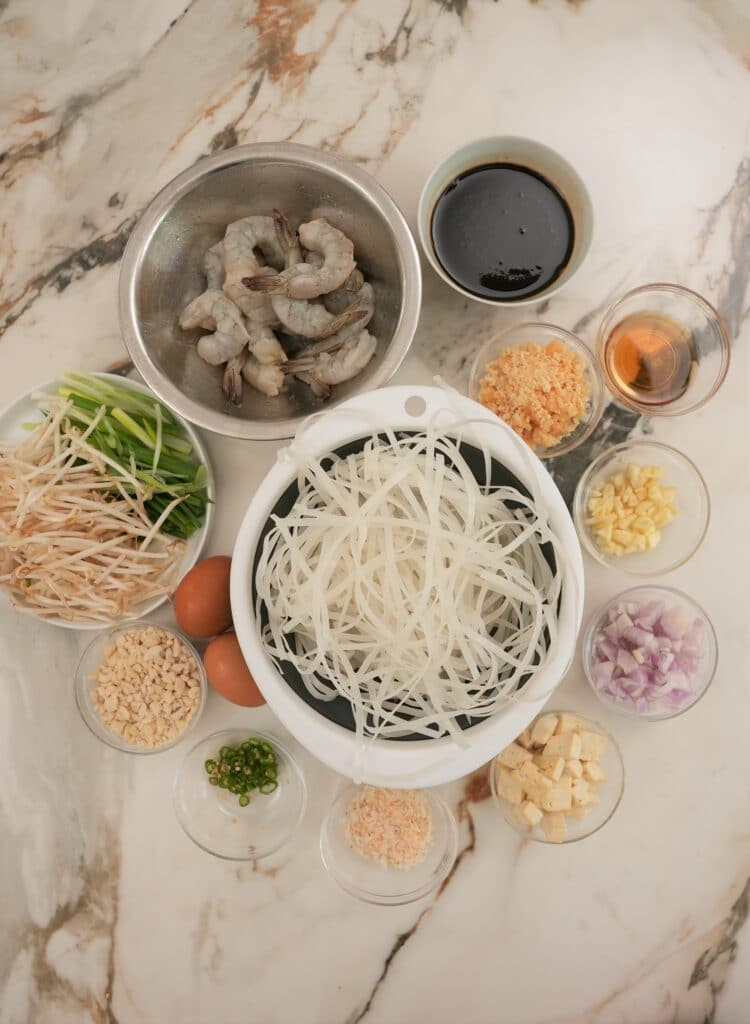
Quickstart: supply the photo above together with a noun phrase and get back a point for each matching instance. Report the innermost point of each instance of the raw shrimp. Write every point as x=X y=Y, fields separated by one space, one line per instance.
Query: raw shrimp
x=340 y=365
x=364 y=306
x=302 y=316
x=338 y=300
x=311 y=319
x=215 y=312
x=264 y=344
x=213 y=267
x=269 y=380
x=232 y=383
x=242 y=238
x=256 y=306
x=304 y=281
x=219 y=348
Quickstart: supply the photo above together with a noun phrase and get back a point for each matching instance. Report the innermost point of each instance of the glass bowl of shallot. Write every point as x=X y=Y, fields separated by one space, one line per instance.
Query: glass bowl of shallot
x=560 y=780
x=542 y=381
x=388 y=846
x=650 y=652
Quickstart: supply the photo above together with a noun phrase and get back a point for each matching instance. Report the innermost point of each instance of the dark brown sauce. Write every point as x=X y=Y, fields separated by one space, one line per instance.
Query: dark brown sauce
x=502 y=232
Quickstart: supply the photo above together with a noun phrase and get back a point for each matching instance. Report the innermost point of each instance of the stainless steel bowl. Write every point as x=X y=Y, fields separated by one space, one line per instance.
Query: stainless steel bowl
x=161 y=273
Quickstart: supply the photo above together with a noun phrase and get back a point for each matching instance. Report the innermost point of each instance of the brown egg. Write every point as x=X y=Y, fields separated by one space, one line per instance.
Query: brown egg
x=228 y=673
x=201 y=601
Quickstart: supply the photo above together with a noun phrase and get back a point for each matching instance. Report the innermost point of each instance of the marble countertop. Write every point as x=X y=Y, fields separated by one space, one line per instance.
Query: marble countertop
x=109 y=913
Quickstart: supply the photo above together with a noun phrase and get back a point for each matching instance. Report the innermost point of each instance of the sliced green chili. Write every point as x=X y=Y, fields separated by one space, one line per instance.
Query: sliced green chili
x=252 y=765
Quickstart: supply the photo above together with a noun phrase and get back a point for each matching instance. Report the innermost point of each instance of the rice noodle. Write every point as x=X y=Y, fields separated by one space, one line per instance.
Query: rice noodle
x=76 y=542
x=399 y=582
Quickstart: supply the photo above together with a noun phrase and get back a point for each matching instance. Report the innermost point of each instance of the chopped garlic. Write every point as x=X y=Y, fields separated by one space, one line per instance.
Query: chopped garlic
x=628 y=510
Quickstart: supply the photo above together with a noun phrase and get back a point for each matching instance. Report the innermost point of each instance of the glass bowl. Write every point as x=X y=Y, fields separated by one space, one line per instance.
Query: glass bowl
x=708 y=333
x=370 y=881
x=681 y=538
x=92 y=657
x=213 y=818
x=662 y=708
x=610 y=792
x=543 y=334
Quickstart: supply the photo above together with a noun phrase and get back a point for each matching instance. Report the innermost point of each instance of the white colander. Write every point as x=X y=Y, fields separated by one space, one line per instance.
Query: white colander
x=422 y=762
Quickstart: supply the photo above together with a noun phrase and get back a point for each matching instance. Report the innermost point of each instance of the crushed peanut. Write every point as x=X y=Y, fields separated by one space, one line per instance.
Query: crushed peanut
x=542 y=393
x=148 y=687
x=627 y=511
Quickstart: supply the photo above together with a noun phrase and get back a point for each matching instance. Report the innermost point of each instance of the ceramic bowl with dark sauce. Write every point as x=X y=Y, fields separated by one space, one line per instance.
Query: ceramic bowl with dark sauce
x=506 y=221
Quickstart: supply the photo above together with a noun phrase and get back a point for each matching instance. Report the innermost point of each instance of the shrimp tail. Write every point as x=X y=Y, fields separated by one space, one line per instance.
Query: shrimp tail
x=272 y=283
x=318 y=388
x=284 y=233
x=351 y=315
x=232 y=383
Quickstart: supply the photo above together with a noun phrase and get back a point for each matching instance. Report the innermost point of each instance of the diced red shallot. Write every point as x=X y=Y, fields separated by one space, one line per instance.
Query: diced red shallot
x=648 y=653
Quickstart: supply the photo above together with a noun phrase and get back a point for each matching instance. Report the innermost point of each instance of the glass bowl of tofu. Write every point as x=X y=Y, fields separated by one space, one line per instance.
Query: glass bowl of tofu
x=650 y=652
x=561 y=780
x=642 y=507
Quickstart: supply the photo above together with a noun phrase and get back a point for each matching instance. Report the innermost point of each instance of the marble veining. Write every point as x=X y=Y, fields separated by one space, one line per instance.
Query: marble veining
x=109 y=913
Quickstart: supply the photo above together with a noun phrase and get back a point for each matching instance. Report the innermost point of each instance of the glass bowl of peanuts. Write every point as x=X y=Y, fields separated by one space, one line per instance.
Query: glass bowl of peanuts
x=140 y=687
x=642 y=507
x=561 y=780
x=542 y=381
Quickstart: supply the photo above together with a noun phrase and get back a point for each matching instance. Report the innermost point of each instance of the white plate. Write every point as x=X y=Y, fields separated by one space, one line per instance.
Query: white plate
x=26 y=409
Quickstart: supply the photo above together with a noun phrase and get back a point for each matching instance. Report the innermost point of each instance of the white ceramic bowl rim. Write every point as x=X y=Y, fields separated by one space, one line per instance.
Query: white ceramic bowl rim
x=417 y=762
x=511 y=149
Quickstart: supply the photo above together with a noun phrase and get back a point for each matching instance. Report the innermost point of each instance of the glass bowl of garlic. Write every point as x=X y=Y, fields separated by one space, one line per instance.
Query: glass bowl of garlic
x=642 y=507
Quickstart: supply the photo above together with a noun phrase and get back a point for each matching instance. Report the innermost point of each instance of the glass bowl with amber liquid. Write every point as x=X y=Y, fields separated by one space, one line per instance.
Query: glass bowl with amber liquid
x=663 y=349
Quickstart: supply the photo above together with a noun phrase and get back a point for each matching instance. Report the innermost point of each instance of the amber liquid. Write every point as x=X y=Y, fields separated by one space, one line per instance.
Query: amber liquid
x=650 y=358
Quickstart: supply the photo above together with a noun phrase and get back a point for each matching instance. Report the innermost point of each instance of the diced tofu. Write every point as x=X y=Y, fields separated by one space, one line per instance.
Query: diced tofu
x=592 y=746
x=569 y=723
x=524 y=740
x=594 y=772
x=543 y=728
x=580 y=793
x=559 y=797
x=573 y=768
x=552 y=766
x=554 y=827
x=530 y=773
x=509 y=785
x=514 y=756
x=529 y=813
x=566 y=744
